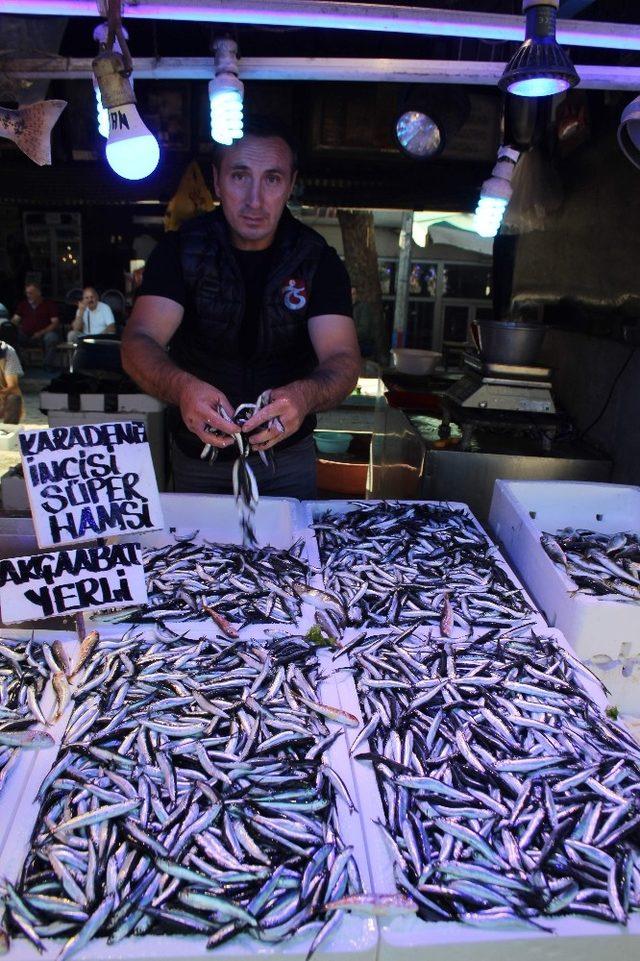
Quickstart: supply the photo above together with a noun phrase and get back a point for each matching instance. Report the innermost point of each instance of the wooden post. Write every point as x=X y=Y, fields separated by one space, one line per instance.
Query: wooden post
x=361 y=257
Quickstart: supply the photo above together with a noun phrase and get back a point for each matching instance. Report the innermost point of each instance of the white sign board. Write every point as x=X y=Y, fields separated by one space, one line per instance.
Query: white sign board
x=90 y=480
x=64 y=582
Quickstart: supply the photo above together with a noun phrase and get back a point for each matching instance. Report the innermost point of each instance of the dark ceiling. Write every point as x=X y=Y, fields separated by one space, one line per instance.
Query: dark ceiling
x=364 y=170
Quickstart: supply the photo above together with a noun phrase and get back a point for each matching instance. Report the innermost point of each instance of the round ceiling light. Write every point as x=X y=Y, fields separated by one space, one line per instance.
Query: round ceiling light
x=419 y=135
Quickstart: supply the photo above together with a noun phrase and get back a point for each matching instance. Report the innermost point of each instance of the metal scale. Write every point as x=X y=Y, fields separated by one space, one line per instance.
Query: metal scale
x=492 y=394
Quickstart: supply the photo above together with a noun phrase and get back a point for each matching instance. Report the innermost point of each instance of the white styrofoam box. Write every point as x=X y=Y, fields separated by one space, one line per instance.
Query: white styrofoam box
x=8 y=439
x=127 y=403
x=14 y=492
x=405 y=938
x=596 y=628
x=356 y=938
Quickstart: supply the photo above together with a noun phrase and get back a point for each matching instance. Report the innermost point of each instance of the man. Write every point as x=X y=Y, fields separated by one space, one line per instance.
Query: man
x=248 y=299
x=92 y=317
x=38 y=325
x=11 y=406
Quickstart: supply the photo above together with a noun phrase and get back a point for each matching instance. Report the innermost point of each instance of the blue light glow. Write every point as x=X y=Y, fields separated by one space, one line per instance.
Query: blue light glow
x=539 y=86
x=134 y=158
x=103 y=113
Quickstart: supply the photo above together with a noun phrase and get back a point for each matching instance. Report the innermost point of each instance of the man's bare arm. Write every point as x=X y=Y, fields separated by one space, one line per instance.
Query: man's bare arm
x=336 y=345
x=152 y=324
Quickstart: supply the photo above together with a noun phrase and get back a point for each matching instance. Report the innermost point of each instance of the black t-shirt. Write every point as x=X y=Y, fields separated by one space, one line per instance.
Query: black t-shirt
x=331 y=292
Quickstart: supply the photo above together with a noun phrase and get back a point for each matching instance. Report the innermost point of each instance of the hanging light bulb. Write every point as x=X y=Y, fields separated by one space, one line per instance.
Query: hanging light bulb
x=100 y=35
x=226 y=93
x=132 y=151
x=495 y=194
x=540 y=67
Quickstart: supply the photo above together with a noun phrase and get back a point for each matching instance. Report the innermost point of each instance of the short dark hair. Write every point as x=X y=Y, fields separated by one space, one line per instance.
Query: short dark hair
x=260 y=125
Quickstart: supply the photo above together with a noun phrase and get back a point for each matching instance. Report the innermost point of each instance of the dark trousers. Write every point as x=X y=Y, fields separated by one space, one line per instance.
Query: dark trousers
x=294 y=475
x=48 y=342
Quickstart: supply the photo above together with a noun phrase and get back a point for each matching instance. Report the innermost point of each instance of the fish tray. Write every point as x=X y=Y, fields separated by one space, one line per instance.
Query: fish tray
x=12 y=795
x=311 y=511
x=280 y=523
x=406 y=938
x=520 y=512
x=355 y=939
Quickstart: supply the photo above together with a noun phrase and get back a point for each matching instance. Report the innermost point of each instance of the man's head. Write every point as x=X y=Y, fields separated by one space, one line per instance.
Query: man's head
x=253 y=178
x=90 y=297
x=33 y=293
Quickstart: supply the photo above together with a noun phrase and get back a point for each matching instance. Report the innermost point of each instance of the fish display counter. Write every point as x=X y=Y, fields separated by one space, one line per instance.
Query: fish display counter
x=359 y=739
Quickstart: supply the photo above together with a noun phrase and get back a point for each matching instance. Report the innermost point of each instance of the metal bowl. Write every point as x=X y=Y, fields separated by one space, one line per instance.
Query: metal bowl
x=509 y=342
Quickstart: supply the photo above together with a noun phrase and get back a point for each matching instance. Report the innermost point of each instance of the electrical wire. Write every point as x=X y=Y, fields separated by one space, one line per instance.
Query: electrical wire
x=616 y=379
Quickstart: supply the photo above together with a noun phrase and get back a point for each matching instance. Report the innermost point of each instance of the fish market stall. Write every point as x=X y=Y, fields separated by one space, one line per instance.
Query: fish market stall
x=358 y=738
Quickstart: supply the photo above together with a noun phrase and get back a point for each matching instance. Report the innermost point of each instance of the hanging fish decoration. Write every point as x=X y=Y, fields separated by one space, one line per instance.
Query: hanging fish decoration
x=30 y=128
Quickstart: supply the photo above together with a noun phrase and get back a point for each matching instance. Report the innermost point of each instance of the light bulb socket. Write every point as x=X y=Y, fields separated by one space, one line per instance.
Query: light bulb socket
x=113 y=80
x=540 y=58
x=225 y=56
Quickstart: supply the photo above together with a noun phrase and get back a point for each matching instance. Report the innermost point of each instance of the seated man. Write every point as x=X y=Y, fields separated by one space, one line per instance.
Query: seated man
x=38 y=324
x=92 y=317
x=10 y=395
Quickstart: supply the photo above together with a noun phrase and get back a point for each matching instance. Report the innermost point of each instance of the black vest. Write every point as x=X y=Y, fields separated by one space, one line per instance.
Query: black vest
x=207 y=343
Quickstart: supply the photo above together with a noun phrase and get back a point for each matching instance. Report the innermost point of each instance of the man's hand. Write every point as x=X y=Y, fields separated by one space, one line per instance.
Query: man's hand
x=288 y=408
x=198 y=406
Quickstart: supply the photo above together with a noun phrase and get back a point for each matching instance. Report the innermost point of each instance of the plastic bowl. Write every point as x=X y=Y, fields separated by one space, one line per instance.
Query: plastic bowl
x=332 y=441
x=408 y=360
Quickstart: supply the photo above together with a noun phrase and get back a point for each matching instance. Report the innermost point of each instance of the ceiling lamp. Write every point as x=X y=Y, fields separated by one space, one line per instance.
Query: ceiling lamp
x=226 y=93
x=540 y=67
x=132 y=151
x=495 y=194
x=629 y=131
x=428 y=119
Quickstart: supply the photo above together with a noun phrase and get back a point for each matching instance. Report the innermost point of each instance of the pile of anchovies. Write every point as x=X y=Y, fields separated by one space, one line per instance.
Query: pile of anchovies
x=408 y=564
x=25 y=669
x=507 y=794
x=226 y=583
x=601 y=564
x=192 y=794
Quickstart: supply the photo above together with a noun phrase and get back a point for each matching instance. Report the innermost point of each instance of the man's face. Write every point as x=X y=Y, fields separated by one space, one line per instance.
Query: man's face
x=32 y=293
x=90 y=298
x=254 y=182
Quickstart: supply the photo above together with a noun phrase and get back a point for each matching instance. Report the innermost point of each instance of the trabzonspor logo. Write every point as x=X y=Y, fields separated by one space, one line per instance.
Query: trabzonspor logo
x=295 y=294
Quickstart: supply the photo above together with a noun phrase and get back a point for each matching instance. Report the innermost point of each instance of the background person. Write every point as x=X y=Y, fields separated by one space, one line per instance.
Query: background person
x=11 y=406
x=245 y=298
x=38 y=325
x=92 y=317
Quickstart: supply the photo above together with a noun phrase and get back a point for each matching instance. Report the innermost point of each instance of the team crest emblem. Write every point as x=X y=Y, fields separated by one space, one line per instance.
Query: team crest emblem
x=295 y=294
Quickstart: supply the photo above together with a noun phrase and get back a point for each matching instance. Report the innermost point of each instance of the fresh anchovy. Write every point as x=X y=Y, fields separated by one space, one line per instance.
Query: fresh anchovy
x=233 y=585
x=508 y=800
x=26 y=666
x=379 y=905
x=404 y=564
x=245 y=487
x=604 y=565
x=192 y=794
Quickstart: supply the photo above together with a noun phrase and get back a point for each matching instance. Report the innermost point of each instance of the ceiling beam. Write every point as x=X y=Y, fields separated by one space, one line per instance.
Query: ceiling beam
x=472 y=73
x=330 y=14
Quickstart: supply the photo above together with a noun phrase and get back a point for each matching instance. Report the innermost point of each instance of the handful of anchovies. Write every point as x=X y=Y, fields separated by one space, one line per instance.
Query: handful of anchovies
x=245 y=487
x=25 y=669
x=192 y=795
x=404 y=564
x=232 y=585
x=603 y=565
x=509 y=797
